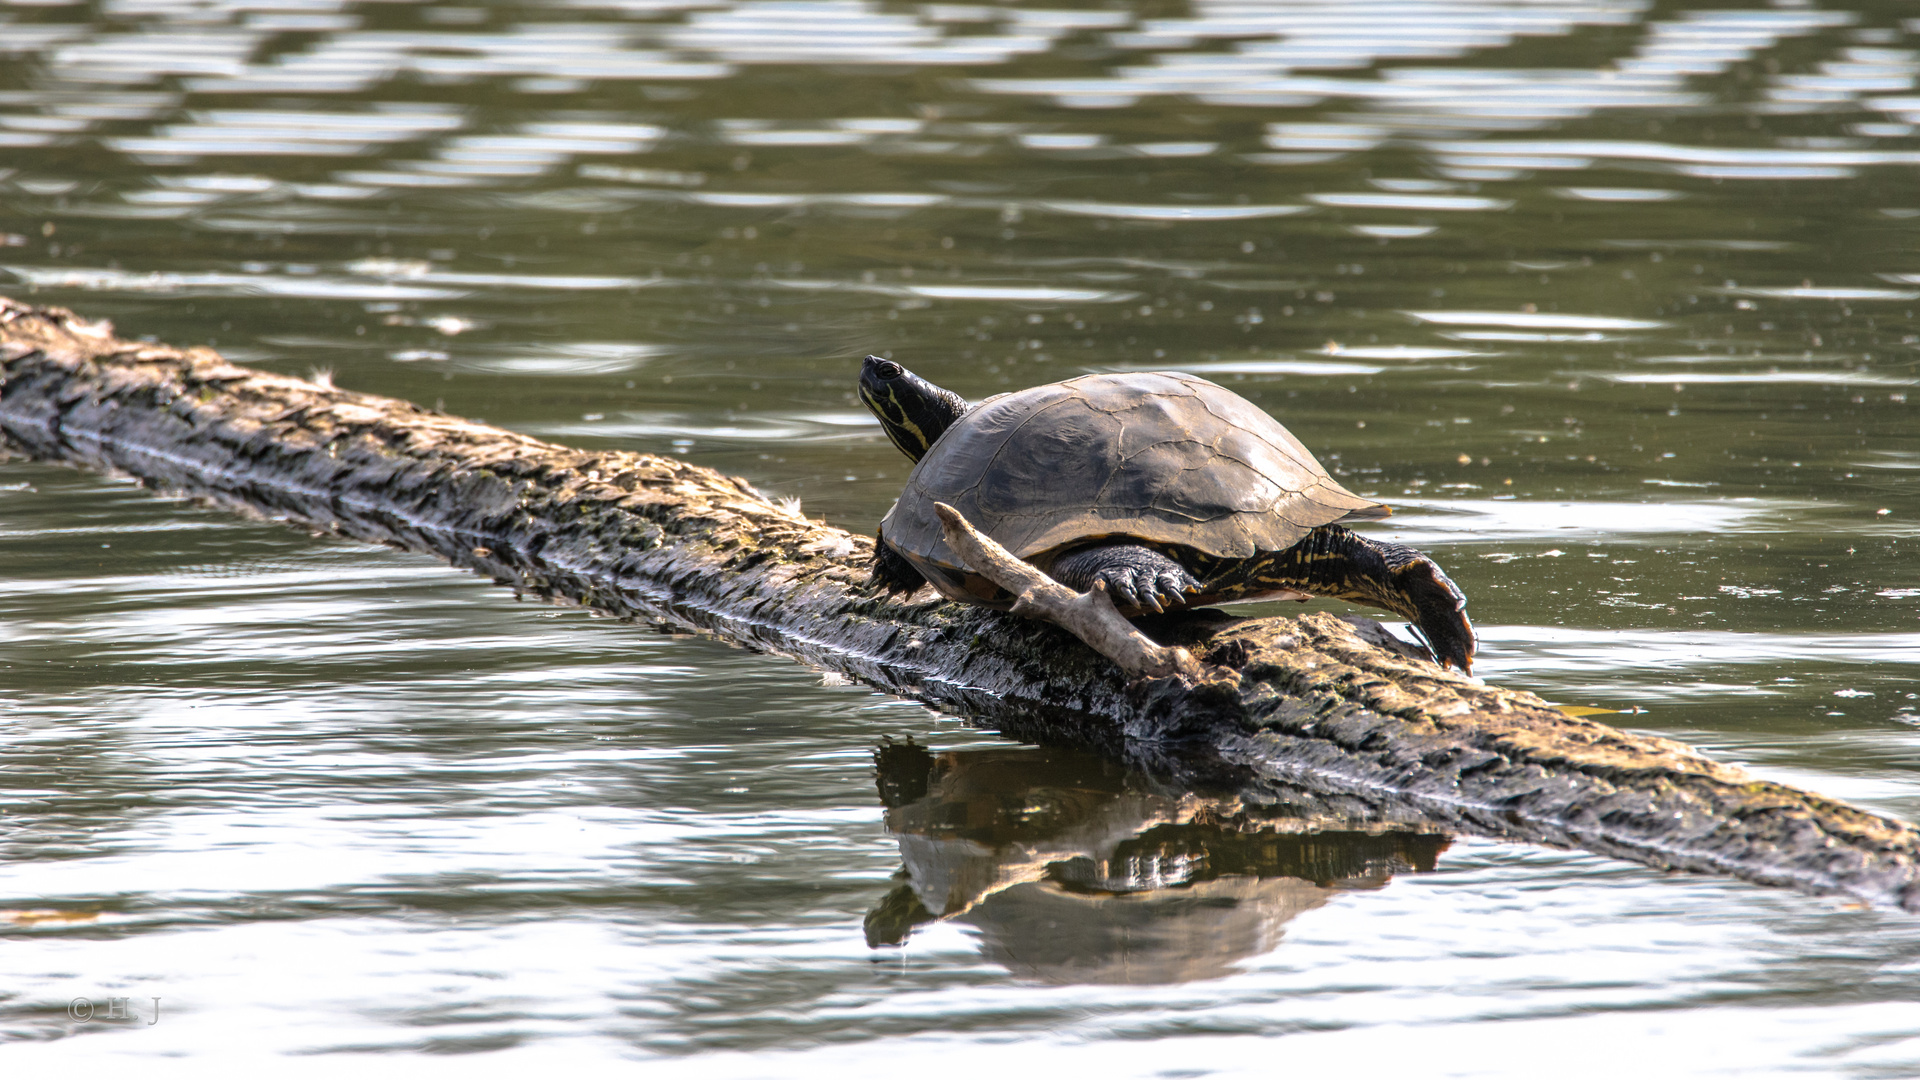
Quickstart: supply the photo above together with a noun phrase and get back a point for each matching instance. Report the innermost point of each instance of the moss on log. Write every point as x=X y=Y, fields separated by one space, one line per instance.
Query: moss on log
x=1317 y=702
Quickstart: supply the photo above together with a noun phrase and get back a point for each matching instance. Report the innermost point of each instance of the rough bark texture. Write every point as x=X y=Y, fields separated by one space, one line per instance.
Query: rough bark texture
x=1314 y=702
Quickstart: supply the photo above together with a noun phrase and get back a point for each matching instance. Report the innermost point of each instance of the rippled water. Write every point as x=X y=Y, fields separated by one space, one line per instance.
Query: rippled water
x=1613 y=300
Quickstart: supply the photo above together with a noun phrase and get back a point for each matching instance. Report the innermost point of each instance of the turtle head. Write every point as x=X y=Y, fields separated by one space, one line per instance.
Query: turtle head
x=912 y=410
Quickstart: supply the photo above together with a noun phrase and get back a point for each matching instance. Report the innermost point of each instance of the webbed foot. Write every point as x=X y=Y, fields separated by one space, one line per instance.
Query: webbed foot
x=1440 y=612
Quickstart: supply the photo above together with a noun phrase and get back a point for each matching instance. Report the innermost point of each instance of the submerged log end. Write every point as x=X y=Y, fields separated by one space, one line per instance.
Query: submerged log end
x=1089 y=616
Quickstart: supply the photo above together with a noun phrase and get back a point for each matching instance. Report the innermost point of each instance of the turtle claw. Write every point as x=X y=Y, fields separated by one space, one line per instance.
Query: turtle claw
x=1177 y=585
x=1120 y=587
x=1150 y=589
x=1138 y=579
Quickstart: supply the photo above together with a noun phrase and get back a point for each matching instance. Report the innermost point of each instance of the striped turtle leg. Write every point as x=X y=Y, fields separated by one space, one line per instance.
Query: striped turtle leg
x=1336 y=562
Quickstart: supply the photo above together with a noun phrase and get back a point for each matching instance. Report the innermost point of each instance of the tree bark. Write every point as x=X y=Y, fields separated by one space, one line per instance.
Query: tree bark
x=1329 y=705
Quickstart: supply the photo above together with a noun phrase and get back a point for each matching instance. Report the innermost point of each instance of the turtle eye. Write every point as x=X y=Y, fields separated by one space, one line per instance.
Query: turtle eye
x=887 y=369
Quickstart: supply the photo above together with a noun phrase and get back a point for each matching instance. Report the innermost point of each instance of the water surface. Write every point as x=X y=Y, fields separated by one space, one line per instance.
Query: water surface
x=1612 y=300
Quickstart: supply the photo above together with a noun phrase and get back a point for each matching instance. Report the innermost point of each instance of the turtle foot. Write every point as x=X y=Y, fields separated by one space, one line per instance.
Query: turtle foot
x=1138 y=578
x=1440 y=613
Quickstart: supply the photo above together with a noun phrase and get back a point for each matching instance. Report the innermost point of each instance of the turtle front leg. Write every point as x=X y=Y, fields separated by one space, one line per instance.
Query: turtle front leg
x=1139 y=579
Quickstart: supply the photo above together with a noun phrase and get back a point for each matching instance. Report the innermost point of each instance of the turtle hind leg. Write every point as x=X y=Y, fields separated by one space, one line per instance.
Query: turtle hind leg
x=1338 y=563
x=891 y=571
x=1139 y=579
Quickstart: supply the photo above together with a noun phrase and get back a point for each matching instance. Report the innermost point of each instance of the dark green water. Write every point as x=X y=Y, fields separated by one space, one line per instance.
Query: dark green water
x=1613 y=301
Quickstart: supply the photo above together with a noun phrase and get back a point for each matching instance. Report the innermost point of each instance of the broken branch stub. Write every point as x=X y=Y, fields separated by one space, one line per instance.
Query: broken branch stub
x=1089 y=616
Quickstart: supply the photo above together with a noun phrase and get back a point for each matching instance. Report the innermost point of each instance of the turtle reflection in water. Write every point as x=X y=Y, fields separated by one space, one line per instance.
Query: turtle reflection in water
x=1169 y=489
x=1076 y=871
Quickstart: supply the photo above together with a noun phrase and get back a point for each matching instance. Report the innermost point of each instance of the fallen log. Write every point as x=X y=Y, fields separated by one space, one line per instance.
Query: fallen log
x=1330 y=705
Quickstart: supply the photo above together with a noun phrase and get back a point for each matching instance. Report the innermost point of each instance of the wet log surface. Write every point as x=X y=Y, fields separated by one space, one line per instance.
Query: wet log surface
x=1315 y=703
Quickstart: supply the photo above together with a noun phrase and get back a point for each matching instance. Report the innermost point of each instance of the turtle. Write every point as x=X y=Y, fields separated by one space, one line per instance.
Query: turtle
x=1170 y=490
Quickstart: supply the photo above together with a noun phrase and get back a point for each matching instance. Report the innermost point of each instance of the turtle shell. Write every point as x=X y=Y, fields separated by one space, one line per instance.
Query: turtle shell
x=1162 y=457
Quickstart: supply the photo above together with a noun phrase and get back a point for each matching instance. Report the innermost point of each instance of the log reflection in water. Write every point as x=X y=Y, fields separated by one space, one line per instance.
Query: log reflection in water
x=1077 y=870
